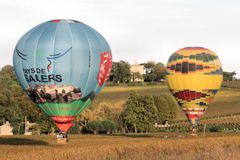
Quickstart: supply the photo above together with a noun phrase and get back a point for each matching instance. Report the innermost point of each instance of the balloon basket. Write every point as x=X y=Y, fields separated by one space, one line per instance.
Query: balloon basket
x=62 y=140
x=194 y=132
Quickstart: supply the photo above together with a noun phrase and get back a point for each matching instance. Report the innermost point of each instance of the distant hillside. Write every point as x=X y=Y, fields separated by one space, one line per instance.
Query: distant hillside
x=226 y=101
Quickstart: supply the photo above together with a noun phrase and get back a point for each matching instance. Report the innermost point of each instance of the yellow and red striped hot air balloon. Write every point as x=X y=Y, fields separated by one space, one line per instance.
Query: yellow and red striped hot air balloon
x=194 y=75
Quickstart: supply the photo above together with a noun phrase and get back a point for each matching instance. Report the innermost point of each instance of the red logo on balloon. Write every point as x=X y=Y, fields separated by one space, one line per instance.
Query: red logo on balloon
x=105 y=67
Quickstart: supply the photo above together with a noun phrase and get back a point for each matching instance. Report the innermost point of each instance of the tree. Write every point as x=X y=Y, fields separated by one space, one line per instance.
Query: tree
x=14 y=102
x=136 y=75
x=229 y=76
x=46 y=125
x=150 y=77
x=109 y=126
x=140 y=113
x=120 y=72
x=159 y=70
x=148 y=115
x=108 y=111
x=95 y=126
x=130 y=117
x=149 y=66
x=102 y=111
x=75 y=128
x=154 y=71
x=166 y=106
x=87 y=115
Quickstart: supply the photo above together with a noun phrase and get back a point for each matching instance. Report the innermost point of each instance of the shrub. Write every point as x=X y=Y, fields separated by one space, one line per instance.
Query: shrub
x=108 y=126
x=95 y=126
x=215 y=129
x=75 y=129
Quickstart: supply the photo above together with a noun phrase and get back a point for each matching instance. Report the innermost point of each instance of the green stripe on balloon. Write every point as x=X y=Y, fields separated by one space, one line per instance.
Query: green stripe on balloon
x=65 y=109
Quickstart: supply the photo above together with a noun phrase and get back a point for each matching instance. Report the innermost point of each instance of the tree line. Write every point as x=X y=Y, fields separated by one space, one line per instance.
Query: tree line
x=153 y=72
x=121 y=72
x=137 y=115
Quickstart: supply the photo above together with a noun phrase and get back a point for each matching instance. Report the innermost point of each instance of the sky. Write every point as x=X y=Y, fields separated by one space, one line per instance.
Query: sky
x=136 y=30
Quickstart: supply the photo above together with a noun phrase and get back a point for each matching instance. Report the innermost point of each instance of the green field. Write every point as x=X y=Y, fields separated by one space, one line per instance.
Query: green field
x=226 y=101
x=131 y=147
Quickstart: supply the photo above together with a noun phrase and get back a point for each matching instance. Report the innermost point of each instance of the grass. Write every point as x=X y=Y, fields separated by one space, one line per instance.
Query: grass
x=152 y=147
x=118 y=94
x=226 y=101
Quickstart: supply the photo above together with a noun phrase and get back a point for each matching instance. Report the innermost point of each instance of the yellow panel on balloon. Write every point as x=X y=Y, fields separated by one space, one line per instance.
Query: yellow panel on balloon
x=194 y=81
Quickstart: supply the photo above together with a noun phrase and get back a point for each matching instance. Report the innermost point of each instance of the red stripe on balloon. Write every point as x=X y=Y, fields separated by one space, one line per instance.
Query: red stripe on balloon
x=64 y=127
x=194 y=116
x=62 y=119
x=192 y=48
x=195 y=110
x=189 y=95
x=64 y=123
x=56 y=20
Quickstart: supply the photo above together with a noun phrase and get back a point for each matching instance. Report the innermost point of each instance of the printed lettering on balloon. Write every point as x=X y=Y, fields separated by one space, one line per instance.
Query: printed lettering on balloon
x=105 y=67
x=40 y=75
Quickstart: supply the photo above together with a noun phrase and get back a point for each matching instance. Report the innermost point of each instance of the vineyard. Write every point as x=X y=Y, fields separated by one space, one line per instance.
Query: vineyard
x=222 y=115
x=231 y=84
x=225 y=103
x=227 y=123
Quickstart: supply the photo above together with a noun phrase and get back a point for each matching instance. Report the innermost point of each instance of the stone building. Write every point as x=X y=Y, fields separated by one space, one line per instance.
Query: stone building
x=6 y=129
x=137 y=69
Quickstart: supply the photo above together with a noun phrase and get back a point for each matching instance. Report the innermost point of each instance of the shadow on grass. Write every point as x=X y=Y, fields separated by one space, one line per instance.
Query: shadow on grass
x=137 y=135
x=163 y=135
x=20 y=141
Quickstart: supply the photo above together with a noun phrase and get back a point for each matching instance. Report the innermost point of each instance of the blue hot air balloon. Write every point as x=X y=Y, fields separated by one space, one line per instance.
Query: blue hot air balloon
x=62 y=65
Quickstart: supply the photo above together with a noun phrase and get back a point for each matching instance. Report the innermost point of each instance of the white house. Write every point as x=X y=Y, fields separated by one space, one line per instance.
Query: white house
x=137 y=68
x=6 y=129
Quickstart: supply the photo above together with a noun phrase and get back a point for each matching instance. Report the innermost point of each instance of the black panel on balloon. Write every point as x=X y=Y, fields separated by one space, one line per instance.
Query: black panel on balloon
x=173 y=67
x=199 y=57
x=210 y=58
x=205 y=58
x=192 y=56
x=192 y=67
x=199 y=67
x=185 y=67
x=178 y=67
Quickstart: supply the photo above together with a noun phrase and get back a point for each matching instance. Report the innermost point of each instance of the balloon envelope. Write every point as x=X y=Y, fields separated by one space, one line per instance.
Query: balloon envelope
x=194 y=75
x=62 y=65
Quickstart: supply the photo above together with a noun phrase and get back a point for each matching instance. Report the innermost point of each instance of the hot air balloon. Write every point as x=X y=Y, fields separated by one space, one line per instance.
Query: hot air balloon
x=62 y=65
x=194 y=75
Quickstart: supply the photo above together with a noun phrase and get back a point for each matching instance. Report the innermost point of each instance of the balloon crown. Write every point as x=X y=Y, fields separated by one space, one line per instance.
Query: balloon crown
x=63 y=21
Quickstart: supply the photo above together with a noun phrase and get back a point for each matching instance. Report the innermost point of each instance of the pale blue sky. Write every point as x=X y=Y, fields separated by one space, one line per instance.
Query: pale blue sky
x=137 y=30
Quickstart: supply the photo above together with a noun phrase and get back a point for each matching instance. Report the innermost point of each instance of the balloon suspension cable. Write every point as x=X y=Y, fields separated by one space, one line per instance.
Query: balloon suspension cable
x=194 y=120
x=194 y=129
